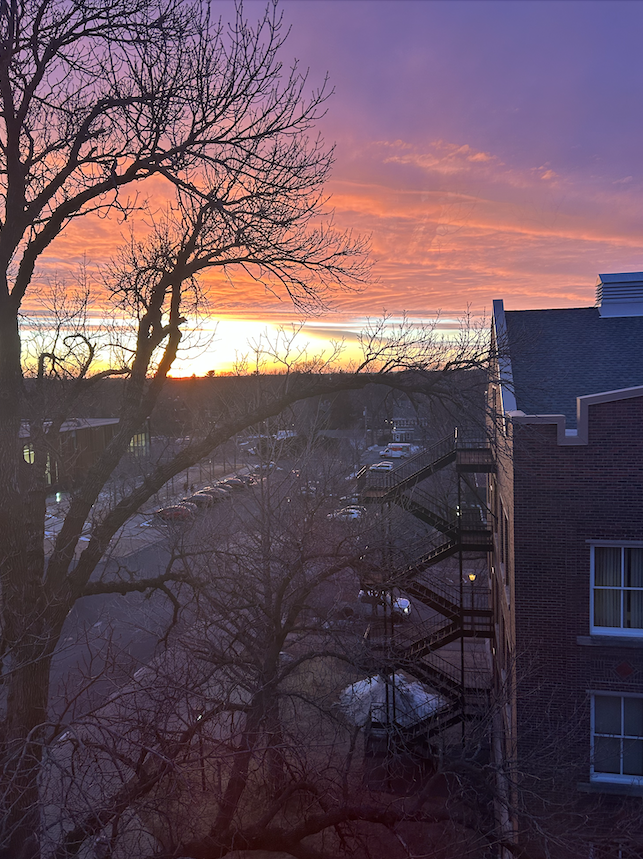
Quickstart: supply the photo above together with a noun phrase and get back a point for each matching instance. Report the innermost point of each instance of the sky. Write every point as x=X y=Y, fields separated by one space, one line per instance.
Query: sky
x=490 y=149
x=493 y=149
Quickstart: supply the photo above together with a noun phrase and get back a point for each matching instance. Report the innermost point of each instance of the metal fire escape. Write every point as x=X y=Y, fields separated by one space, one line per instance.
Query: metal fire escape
x=464 y=613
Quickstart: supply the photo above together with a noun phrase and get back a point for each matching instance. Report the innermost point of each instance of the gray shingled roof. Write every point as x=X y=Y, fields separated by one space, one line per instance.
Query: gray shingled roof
x=558 y=355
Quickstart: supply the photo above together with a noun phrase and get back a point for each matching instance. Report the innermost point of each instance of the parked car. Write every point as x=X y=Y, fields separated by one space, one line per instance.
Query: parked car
x=223 y=487
x=201 y=499
x=354 y=512
x=246 y=479
x=217 y=493
x=232 y=482
x=385 y=465
x=177 y=512
x=381 y=604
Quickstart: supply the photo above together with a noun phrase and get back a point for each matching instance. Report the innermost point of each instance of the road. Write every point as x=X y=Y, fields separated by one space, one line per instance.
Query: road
x=106 y=639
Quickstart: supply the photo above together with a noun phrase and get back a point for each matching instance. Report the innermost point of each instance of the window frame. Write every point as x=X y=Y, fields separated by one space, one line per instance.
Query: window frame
x=612 y=778
x=616 y=631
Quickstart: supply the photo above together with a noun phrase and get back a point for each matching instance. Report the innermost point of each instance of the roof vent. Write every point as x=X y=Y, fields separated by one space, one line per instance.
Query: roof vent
x=620 y=294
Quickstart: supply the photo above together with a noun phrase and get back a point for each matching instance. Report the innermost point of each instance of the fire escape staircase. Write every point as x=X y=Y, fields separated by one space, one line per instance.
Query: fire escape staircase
x=471 y=455
x=468 y=533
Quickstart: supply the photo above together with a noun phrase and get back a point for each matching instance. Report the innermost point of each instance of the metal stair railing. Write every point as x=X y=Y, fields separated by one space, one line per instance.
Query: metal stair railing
x=444 y=678
x=471 y=516
x=468 y=440
x=395 y=653
x=405 y=636
x=474 y=452
x=469 y=527
x=433 y=458
x=436 y=598
x=441 y=676
x=477 y=618
x=441 y=599
x=424 y=463
x=435 y=663
x=427 y=462
x=423 y=562
x=431 y=638
x=435 y=678
x=446 y=717
x=420 y=505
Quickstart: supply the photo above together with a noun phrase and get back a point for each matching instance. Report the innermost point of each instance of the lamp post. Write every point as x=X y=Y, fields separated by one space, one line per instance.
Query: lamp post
x=472 y=578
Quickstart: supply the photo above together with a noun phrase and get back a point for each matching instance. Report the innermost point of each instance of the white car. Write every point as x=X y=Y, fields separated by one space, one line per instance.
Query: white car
x=354 y=512
x=399 y=608
x=385 y=465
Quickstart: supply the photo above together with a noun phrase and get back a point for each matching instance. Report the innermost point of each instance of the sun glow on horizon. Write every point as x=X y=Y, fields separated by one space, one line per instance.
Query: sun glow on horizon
x=230 y=345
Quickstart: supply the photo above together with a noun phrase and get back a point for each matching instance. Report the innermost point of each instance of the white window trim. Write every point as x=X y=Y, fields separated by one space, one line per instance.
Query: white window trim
x=609 y=778
x=616 y=631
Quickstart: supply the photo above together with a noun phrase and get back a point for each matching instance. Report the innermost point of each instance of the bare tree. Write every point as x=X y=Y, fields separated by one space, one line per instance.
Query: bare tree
x=231 y=739
x=97 y=99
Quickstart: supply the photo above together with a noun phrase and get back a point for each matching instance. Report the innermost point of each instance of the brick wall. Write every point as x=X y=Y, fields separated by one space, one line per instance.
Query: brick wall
x=564 y=496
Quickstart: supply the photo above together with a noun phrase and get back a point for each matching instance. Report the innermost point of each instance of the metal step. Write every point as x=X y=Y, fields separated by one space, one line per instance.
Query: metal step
x=421 y=506
x=445 y=718
x=434 y=678
x=439 y=674
x=433 y=599
x=441 y=636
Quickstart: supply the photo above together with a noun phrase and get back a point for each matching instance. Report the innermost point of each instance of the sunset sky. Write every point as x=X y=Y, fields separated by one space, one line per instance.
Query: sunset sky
x=491 y=149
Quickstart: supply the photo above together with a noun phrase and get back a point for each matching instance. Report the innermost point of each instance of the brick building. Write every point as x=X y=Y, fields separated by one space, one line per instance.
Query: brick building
x=567 y=572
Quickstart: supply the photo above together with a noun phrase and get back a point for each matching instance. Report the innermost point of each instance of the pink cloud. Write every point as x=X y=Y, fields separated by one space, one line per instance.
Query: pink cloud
x=451 y=226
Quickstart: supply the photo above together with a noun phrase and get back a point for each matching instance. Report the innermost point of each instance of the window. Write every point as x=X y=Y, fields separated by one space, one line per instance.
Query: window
x=617 y=739
x=140 y=444
x=617 y=590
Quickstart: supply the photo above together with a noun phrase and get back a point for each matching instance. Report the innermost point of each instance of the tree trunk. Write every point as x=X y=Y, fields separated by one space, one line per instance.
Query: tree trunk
x=32 y=621
x=30 y=618
x=27 y=697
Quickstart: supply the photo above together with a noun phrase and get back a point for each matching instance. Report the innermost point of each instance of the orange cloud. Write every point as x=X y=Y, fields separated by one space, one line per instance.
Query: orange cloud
x=451 y=227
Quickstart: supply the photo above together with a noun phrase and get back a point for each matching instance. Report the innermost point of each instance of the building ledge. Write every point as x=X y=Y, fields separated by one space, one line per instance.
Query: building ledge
x=610 y=787
x=580 y=435
x=610 y=641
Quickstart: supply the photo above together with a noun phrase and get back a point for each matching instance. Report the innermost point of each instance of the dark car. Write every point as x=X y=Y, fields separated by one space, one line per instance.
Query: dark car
x=177 y=513
x=246 y=479
x=233 y=483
